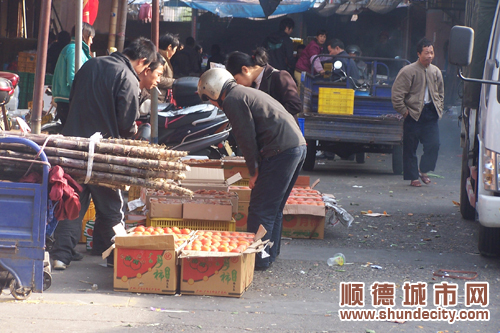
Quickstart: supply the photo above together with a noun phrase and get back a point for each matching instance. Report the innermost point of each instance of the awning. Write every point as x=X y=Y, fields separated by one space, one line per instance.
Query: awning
x=251 y=8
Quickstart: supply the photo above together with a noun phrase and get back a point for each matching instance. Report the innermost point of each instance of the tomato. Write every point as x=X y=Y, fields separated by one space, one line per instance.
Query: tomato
x=139 y=228
x=185 y=231
x=138 y=233
x=176 y=230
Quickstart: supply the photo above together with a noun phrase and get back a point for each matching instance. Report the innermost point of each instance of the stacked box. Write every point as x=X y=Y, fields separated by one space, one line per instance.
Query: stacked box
x=243 y=203
x=192 y=224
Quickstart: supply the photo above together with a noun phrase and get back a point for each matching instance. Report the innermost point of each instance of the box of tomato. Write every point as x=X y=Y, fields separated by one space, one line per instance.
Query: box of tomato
x=146 y=264
x=219 y=263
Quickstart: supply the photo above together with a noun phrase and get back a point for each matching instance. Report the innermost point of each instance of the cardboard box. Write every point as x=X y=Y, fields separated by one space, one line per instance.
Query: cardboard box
x=170 y=208
x=217 y=276
x=303 y=181
x=220 y=273
x=146 y=264
x=244 y=192
x=232 y=168
x=303 y=226
x=208 y=211
x=242 y=216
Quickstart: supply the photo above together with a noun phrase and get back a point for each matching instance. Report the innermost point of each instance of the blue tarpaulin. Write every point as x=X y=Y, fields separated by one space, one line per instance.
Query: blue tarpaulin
x=250 y=8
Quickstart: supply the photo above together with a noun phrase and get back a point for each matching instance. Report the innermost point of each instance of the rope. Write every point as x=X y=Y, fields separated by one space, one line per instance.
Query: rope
x=96 y=137
x=38 y=155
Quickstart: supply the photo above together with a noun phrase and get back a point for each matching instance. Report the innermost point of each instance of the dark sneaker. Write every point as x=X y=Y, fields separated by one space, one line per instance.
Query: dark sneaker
x=77 y=256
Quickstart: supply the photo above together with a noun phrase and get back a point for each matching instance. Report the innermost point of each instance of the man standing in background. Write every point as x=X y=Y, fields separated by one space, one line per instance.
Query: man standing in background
x=418 y=94
x=279 y=46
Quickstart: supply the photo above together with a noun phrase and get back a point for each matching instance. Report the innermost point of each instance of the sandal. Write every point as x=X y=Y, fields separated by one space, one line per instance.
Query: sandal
x=416 y=183
x=425 y=179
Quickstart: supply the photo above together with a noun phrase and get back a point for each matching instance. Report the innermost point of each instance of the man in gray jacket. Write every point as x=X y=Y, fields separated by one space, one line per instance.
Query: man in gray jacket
x=273 y=147
x=418 y=94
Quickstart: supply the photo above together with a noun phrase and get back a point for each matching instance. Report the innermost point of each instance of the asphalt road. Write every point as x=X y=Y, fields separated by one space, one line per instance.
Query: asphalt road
x=301 y=293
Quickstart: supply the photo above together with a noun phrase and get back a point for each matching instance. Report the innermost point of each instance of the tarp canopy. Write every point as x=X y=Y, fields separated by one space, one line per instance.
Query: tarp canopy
x=251 y=8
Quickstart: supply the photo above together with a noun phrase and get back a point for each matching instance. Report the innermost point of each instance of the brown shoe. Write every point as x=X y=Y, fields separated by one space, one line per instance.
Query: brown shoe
x=416 y=183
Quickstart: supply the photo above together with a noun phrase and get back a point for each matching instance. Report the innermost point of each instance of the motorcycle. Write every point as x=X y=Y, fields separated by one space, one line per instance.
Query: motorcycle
x=187 y=124
x=8 y=83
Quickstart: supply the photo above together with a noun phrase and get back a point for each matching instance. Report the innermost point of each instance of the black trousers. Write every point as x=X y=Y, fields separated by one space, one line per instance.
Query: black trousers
x=108 y=205
x=426 y=132
x=62 y=111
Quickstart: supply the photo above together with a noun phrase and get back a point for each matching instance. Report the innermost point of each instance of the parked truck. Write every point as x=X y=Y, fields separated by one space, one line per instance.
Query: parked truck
x=361 y=120
x=476 y=49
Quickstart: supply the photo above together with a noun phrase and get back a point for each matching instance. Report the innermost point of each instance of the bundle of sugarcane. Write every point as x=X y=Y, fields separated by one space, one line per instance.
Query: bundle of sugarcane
x=114 y=162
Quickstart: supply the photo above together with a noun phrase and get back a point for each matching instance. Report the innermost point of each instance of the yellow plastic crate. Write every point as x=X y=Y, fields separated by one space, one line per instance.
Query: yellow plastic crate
x=241 y=182
x=134 y=193
x=336 y=101
x=192 y=224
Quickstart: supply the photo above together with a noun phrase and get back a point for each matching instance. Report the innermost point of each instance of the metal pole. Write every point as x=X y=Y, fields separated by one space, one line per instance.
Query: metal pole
x=194 y=23
x=155 y=37
x=78 y=34
x=41 y=61
x=112 y=25
x=122 y=25
x=407 y=41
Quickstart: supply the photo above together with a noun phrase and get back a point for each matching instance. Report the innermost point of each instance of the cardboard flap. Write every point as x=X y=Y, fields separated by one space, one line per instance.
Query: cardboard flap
x=233 y=179
x=260 y=233
x=304 y=210
x=153 y=242
x=204 y=175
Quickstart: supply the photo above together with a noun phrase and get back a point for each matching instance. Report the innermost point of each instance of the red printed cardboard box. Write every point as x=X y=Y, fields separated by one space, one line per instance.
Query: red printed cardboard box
x=244 y=200
x=303 y=226
x=146 y=264
x=219 y=273
x=306 y=219
x=217 y=276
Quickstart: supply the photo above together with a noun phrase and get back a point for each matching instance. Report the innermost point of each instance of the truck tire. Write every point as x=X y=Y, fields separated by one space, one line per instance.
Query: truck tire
x=360 y=158
x=489 y=241
x=397 y=160
x=311 y=156
x=468 y=212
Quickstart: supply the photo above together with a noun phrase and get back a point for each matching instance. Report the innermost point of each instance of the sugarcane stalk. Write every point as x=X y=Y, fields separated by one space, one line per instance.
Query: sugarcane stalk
x=105 y=167
x=101 y=158
x=82 y=144
x=114 y=179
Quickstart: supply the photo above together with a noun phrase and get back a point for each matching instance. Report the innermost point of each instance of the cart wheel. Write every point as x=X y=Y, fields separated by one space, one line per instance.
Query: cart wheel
x=47 y=279
x=17 y=293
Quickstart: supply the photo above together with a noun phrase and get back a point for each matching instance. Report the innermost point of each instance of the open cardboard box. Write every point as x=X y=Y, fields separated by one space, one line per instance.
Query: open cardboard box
x=144 y=264
x=304 y=221
x=207 y=178
x=219 y=273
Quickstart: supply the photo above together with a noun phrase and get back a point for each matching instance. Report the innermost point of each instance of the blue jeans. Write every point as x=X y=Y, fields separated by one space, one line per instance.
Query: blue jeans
x=277 y=175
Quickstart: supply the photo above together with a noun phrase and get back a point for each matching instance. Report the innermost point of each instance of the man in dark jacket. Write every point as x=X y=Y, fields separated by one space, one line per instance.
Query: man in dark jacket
x=280 y=46
x=273 y=147
x=104 y=98
x=336 y=47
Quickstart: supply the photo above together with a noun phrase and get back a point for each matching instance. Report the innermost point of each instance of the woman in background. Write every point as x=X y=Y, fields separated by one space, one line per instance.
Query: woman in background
x=254 y=71
x=167 y=47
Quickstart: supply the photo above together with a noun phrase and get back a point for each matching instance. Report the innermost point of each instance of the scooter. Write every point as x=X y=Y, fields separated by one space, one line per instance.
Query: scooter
x=187 y=124
x=8 y=83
